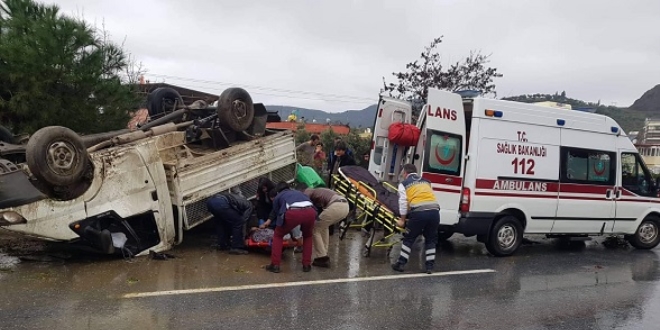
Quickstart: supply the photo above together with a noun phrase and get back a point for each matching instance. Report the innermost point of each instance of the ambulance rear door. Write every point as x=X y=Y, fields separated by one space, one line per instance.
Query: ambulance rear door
x=385 y=158
x=443 y=158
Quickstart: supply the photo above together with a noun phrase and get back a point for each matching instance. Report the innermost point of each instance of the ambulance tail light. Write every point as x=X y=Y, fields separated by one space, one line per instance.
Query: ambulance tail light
x=465 y=200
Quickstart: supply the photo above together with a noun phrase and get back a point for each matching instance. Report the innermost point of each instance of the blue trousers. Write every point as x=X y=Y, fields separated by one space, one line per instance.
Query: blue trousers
x=229 y=224
x=421 y=223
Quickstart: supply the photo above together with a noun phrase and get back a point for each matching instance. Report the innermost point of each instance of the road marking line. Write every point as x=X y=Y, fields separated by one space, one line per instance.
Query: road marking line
x=301 y=283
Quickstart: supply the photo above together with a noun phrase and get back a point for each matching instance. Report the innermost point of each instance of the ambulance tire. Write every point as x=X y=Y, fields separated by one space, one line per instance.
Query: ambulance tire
x=505 y=237
x=647 y=235
x=444 y=235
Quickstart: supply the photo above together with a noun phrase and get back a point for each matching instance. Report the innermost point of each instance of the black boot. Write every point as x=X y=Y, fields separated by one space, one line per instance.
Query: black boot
x=397 y=267
x=273 y=268
x=322 y=262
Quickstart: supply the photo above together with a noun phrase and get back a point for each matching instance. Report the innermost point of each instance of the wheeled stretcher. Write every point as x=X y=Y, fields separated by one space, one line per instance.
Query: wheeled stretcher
x=377 y=202
x=259 y=239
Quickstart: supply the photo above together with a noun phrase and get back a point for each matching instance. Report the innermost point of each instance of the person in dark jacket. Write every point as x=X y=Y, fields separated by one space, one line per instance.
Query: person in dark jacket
x=231 y=212
x=332 y=155
x=264 y=204
x=342 y=158
x=291 y=208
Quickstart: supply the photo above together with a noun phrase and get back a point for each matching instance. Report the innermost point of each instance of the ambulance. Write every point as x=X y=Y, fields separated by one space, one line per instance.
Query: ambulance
x=503 y=169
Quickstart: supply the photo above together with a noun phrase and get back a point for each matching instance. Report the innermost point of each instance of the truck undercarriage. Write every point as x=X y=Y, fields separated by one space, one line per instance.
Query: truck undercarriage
x=137 y=191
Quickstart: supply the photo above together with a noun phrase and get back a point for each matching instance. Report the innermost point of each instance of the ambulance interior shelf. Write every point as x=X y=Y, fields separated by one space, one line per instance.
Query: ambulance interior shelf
x=377 y=201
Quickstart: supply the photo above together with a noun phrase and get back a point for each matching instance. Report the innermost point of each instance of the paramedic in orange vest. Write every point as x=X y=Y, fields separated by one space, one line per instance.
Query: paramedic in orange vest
x=420 y=215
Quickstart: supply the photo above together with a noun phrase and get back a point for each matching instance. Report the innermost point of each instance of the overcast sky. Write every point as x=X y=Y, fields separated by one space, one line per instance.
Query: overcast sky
x=332 y=55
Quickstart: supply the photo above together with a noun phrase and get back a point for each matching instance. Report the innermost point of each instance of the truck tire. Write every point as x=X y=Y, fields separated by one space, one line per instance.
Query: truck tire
x=162 y=100
x=235 y=109
x=647 y=235
x=505 y=237
x=6 y=136
x=57 y=156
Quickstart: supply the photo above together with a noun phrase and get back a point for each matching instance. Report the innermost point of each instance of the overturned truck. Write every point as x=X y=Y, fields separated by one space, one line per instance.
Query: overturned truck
x=139 y=191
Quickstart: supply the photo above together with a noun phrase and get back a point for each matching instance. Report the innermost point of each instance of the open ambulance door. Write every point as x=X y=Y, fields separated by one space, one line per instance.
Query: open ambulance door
x=385 y=158
x=444 y=148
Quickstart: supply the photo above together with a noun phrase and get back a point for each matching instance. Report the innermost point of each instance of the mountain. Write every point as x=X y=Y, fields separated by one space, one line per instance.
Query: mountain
x=354 y=118
x=649 y=103
x=630 y=120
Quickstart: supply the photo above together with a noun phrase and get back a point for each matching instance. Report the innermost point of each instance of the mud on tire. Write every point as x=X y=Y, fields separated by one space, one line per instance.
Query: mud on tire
x=235 y=109
x=57 y=157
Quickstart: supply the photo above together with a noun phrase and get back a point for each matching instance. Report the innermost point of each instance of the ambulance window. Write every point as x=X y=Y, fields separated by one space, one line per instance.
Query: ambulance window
x=443 y=153
x=635 y=176
x=378 y=150
x=396 y=116
x=587 y=166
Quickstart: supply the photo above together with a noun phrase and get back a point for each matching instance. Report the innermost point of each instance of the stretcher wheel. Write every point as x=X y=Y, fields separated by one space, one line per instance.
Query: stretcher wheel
x=366 y=253
x=344 y=225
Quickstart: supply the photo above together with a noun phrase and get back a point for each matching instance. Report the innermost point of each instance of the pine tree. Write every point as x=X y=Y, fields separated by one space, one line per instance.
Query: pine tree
x=59 y=70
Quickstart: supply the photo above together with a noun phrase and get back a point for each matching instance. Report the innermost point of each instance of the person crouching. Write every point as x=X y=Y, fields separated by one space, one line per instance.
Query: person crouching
x=334 y=209
x=291 y=208
x=231 y=212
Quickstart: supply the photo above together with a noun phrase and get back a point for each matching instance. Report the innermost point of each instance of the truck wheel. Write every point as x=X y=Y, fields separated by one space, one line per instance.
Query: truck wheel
x=505 y=236
x=57 y=156
x=162 y=99
x=235 y=109
x=6 y=136
x=647 y=235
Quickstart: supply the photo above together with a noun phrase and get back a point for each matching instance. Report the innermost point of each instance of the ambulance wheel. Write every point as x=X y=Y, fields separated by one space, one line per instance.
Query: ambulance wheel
x=647 y=235
x=505 y=236
x=444 y=235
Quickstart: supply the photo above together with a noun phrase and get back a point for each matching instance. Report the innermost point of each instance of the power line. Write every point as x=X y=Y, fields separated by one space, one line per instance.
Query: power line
x=337 y=97
x=207 y=88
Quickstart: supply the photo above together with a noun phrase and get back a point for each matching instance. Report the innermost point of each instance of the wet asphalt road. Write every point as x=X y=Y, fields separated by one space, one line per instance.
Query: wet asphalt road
x=544 y=286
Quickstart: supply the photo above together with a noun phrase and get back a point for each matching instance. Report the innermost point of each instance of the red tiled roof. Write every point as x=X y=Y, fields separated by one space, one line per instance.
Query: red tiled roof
x=312 y=128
